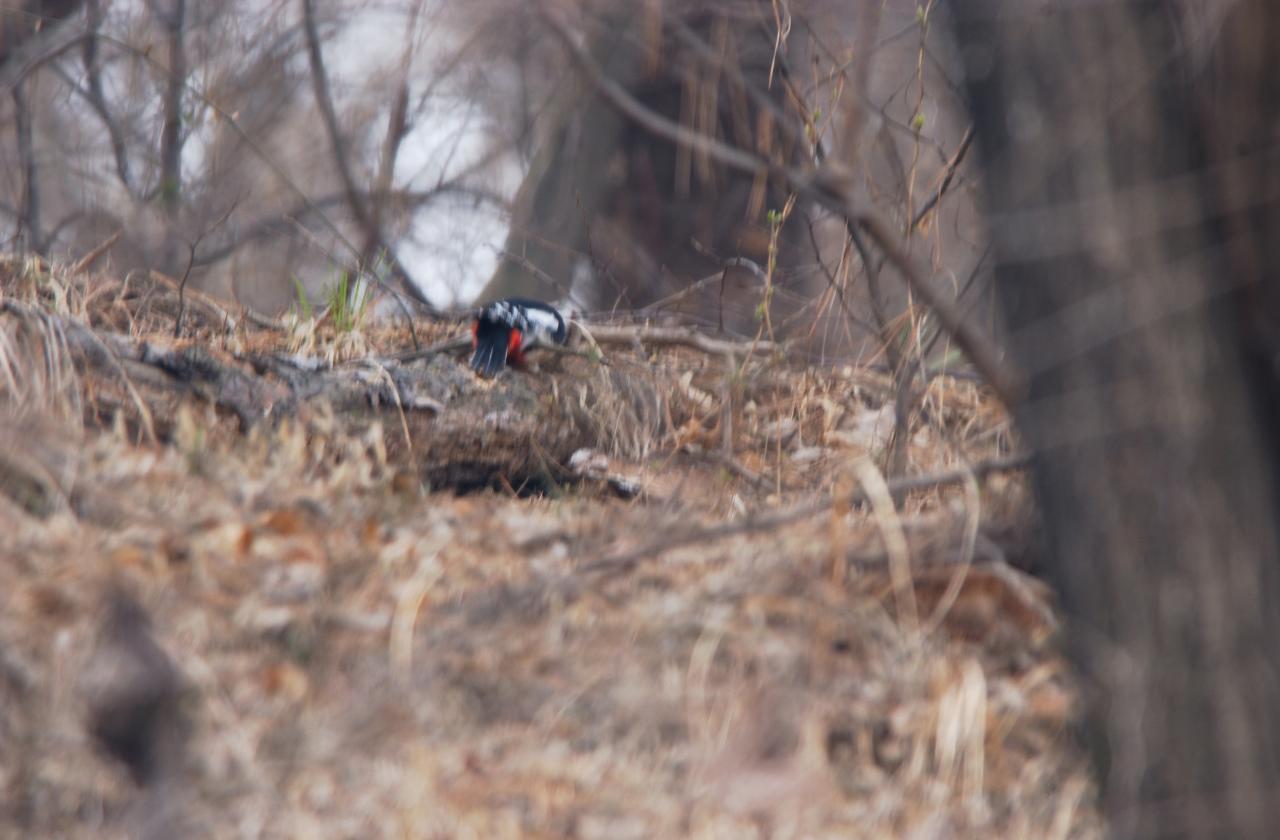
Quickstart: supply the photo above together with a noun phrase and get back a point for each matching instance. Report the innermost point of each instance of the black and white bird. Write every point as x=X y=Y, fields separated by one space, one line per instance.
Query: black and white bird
x=505 y=329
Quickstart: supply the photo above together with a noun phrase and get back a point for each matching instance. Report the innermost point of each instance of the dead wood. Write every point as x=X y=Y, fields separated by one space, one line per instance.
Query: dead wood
x=624 y=335
x=459 y=431
x=679 y=337
x=624 y=562
x=331 y=620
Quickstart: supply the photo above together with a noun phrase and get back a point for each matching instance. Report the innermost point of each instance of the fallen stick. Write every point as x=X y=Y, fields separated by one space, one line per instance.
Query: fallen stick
x=221 y=312
x=446 y=345
x=626 y=561
x=88 y=259
x=681 y=337
x=625 y=335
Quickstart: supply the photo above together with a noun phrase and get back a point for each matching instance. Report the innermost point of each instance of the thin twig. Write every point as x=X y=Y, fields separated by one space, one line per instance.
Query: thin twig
x=621 y=563
x=697 y=285
x=973 y=516
x=608 y=334
x=447 y=345
x=408 y=289
x=832 y=283
x=367 y=219
x=80 y=265
x=647 y=118
x=581 y=328
x=561 y=350
x=730 y=463
x=191 y=261
x=253 y=317
x=529 y=266
x=681 y=337
x=182 y=291
x=828 y=187
x=81 y=336
x=386 y=376
x=948 y=176
x=885 y=513
x=93 y=94
x=1008 y=385
x=329 y=116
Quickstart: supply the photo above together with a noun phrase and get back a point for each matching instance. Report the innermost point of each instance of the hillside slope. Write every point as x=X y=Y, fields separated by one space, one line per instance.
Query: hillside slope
x=400 y=606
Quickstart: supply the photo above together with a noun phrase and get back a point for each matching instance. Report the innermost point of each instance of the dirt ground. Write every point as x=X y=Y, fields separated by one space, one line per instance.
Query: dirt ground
x=385 y=627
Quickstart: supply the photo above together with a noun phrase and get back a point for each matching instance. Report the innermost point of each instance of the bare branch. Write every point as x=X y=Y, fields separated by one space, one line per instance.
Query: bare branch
x=653 y=122
x=374 y=241
x=787 y=122
x=81 y=265
x=397 y=128
x=948 y=176
x=171 y=134
x=28 y=41
x=324 y=100
x=669 y=336
x=854 y=91
x=186 y=274
x=828 y=187
x=287 y=221
x=92 y=93
x=626 y=561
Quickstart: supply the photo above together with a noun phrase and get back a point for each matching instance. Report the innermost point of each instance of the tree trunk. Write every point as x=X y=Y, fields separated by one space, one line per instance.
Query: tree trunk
x=1137 y=260
x=29 y=238
x=171 y=136
x=623 y=218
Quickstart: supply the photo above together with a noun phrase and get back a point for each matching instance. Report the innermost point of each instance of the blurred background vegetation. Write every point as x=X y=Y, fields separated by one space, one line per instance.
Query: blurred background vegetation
x=460 y=150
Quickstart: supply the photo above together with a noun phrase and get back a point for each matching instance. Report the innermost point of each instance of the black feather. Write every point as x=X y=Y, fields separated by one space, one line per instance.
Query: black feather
x=492 y=341
x=535 y=321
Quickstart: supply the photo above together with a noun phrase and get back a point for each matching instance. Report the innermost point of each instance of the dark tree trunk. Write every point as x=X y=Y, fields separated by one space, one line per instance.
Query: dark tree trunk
x=171 y=135
x=22 y=22
x=23 y=41
x=643 y=217
x=1134 y=215
x=29 y=236
x=97 y=97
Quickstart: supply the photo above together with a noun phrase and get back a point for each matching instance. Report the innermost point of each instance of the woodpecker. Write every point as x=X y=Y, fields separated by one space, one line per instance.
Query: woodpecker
x=506 y=328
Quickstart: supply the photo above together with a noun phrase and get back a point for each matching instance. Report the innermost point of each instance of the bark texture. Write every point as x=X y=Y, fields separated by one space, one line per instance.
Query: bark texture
x=622 y=218
x=1131 y=195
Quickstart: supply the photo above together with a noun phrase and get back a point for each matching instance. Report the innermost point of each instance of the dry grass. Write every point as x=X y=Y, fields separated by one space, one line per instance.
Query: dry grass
x=367 y=660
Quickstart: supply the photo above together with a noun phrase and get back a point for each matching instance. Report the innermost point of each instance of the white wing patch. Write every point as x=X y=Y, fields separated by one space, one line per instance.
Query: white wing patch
x=506 y=313
x=540 y=326
x=535 y=323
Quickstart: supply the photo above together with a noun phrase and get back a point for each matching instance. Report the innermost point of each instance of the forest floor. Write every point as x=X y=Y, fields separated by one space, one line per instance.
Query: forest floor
x=401 y=607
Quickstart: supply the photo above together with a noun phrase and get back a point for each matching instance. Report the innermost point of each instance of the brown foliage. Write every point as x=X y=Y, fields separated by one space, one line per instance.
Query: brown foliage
x=360 y=655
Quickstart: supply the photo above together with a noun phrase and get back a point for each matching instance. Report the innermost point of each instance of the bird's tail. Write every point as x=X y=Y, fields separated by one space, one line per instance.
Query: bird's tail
x=492 y=342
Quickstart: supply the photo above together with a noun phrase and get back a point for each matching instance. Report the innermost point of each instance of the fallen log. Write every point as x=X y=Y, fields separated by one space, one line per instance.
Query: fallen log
x=457 y=430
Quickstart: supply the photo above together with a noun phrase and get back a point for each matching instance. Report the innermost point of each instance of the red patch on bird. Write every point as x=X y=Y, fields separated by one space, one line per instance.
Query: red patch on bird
x=514 y=355
x=475 y=334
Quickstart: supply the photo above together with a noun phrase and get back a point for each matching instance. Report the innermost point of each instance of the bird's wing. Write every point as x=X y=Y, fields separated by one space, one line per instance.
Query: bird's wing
x=544 y=325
